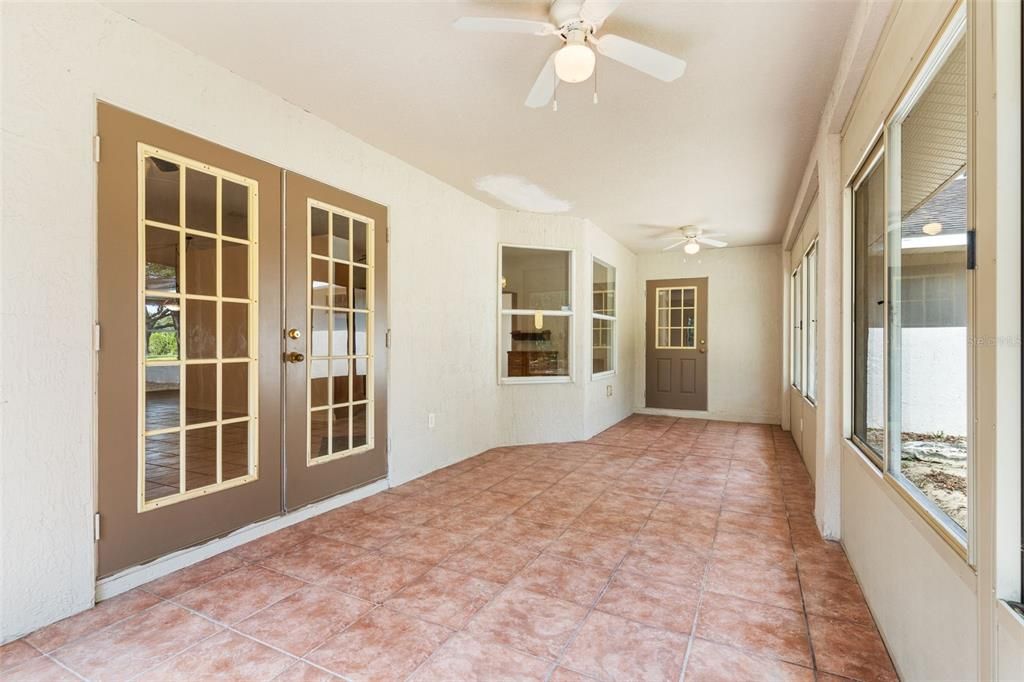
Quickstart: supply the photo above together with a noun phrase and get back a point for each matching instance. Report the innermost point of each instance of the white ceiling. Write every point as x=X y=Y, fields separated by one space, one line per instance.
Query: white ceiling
x=724 y=146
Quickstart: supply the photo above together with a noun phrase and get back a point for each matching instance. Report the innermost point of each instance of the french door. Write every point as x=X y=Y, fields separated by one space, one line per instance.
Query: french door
x=676 y=356
x=336 y=301
x=192 y=307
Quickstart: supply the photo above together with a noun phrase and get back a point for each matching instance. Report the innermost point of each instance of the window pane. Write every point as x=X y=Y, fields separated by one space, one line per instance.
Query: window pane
x=797 y=315
x=200 y=457
x=163 y=407
x=234 y=203
x=162 y=328
x=163 y=187
x=235 y=326
x=928 y=253
x=200 y=201
x=529 y=350
x=319 y=239
x=234 y=450
x=235 y=270
x=604 y=289
x=603 y=357
x=812 y=322
x=200 y=393
x=235 y=390
x=201 y=332
x=340 y=229
x=200 y=265
x=869 y=311
x=535 y=279
x=163 y=465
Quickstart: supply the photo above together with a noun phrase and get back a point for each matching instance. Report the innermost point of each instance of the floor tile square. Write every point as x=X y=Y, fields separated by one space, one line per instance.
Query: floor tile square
x=532 y=623
x=87 y=622
x=679 y=566
x=39 y=669
x=225 y=656
x=743 y=579
x=850 y=649
x=466 y=659
x=375 y=577
x=239 y=594
x=367 y=649
x=612 y=648
x=429 y=545
x=597 y=550
x=491 y=560
x=444 y=597
x=753 y=627
x=313 y=560
x=304 y=620
x=563 y=578
x=710 y=662
x=651 y=602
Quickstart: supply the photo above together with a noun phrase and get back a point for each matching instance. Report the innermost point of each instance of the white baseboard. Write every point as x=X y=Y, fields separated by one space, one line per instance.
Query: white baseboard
x=129 y=578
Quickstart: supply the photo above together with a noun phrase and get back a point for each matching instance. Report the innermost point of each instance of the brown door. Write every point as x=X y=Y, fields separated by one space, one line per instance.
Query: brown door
x=336 y=357
x=189 y=367
x=677 y=360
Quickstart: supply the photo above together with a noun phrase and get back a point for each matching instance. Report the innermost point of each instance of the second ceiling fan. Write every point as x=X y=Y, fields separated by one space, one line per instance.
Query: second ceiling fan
x=576 y=24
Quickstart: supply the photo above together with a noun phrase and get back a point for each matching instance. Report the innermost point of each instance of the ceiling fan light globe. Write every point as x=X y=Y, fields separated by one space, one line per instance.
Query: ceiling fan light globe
x=691 y=248
x=574 y=63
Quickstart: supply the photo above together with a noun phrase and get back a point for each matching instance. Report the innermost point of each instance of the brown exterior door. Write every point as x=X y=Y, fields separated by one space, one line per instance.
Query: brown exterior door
x=189 y=367
x=335 y=338
x=677 y=360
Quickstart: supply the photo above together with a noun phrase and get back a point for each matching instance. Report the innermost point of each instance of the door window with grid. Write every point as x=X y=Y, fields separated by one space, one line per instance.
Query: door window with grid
x=676 y=310
x=199 y=311
x=340 y=345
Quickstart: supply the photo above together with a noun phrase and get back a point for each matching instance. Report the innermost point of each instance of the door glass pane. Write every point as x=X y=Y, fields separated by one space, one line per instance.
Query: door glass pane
x=360 y=427
x=928 y=343
x=163 y=189
x=234 y=450
x=213 y=329
x=340 y=232
x=676 y=313
x=318 y=436
x=200 y=457
x=320 y=282
x=319 y=228
x=234 y=210
x=339 y=381
x=341 y=285
x=359 y=299
x=201 y=265
x=162 y=465
x=339 y=429
x=236 y=329
x=201 y=393
x=201 y=329
x=200 y=201
x=319 y=383
x=163 y=404
x=319 y=333
x=162 y=259
x=359 y=333
x=340 y=337
x=162 y=318
x=234 y=270
x=360 y=243
x=235 y=390
x=359 y=378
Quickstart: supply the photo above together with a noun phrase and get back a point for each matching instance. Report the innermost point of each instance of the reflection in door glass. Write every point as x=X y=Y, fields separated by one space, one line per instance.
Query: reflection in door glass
x=198 y=382
x=339 y=340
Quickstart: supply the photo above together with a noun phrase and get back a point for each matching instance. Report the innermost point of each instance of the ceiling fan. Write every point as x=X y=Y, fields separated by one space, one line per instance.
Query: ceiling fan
x=692 y=238
x=576 y=24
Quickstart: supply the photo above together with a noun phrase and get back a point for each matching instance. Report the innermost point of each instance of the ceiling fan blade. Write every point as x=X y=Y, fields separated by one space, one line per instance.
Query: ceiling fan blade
x=711 y=242
x=675 y=244
x=594 y=12
x=544 y=87
x=653 y=62
x=499 y=25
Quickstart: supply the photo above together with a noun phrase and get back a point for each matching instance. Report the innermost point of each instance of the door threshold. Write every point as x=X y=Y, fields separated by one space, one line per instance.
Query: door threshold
x=132 y=577
x=709 y=415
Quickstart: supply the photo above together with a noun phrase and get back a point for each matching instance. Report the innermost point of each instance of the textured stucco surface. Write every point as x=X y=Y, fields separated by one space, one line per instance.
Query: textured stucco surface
x=57 y=61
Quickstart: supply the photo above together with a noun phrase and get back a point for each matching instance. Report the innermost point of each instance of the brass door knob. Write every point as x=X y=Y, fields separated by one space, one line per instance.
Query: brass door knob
x=294 y=334
x=294 y=357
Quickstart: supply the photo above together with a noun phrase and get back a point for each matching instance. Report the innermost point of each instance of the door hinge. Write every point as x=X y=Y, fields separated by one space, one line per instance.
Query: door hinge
x=96 y=526
x=387 y=339
x=96 y=337
x=96 y=148
x=972 y=251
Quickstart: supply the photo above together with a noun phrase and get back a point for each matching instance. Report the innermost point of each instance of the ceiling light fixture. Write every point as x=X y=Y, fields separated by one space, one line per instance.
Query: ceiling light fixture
x=574 y=63
x=932 y=229
x=691 y=247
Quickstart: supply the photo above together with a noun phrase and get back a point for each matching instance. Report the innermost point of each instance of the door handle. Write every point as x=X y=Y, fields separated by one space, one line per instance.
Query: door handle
x=294 y=357
x=702 y=348
x=293 y=334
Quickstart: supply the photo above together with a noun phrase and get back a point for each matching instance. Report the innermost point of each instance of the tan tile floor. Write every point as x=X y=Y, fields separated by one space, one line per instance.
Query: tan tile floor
x=662 y=549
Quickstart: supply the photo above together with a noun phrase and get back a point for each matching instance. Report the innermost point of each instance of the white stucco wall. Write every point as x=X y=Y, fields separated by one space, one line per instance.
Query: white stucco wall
x=57 y=61
x=745 y=327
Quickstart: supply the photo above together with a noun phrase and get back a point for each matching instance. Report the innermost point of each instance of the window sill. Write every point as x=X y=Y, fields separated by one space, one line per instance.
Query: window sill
x=602 y=375
x=512 y=381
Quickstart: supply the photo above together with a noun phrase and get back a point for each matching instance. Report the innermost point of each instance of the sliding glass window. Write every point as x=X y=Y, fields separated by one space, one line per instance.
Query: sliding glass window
x=811 y=317
x=868 y=307
x=927 y=236
x=603 y=320
x=536 y=309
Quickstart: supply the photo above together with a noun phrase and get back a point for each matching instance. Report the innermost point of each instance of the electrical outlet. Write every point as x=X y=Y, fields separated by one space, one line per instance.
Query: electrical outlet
x=431 y=420
x=608 y=390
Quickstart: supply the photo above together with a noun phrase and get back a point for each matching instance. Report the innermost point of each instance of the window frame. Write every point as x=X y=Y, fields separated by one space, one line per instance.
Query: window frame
x=569 y=377
x=960 y=539
x=810 y=351
x=874 y=160
x=614 y=340
x=796 y=351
